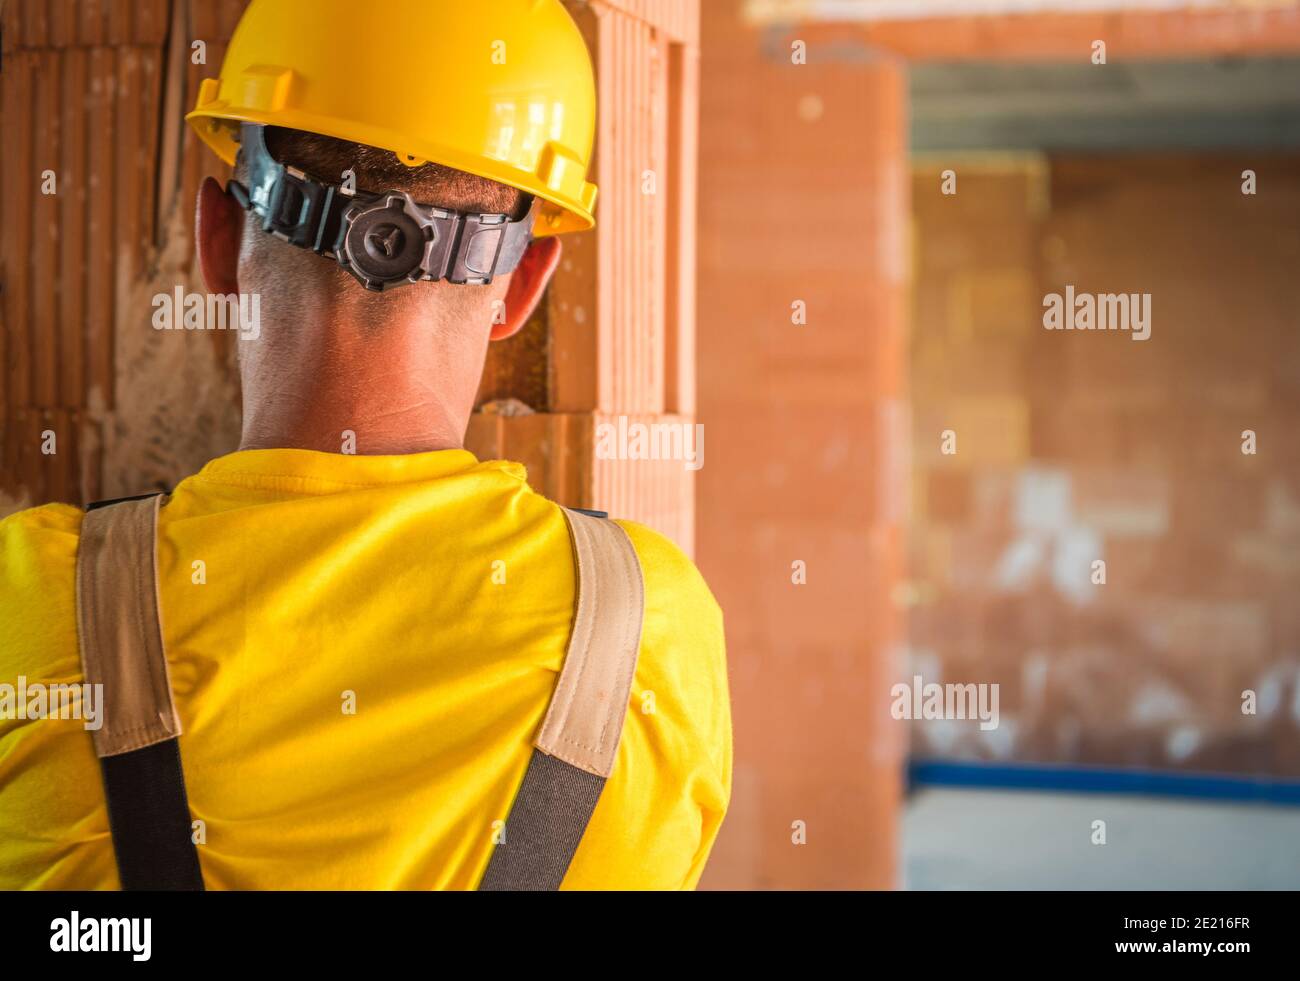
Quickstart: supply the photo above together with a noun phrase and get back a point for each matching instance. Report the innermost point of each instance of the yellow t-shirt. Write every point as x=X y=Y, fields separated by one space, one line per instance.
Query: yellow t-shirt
x=362 y=650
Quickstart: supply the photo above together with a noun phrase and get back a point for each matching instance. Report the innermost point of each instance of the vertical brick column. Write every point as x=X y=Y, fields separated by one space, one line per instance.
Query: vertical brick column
x=620 y=319
x=803 y=200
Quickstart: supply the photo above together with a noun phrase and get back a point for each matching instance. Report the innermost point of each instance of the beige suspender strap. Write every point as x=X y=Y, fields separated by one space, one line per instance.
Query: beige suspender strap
x=119 y=627
x=575 y=750
x=122 y=649
x=585 y=719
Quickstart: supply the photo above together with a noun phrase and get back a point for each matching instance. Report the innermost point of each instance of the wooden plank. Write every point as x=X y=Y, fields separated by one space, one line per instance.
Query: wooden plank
x=101 y=109
x=119 y=26
x=63 y=23
x=44 y=252
x=92 y=22
x=36 y=23
x=146 y=160
x=128 y=135
x=193 y=150
x=215 y=22
x=11 y=28
x=6 y=207
x=205 y=20
x=73 y=257
x=172 y=135
x=21 y=188
x=17 y=189
x=152 y=19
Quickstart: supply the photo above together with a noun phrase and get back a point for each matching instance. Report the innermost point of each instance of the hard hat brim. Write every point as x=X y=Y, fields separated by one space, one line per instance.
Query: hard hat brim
x=217 y=125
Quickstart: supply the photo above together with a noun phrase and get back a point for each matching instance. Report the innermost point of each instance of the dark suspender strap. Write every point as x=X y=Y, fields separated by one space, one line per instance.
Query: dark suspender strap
x=149 y=816
x=550 y=814
x=120 y=639
x=576 y=748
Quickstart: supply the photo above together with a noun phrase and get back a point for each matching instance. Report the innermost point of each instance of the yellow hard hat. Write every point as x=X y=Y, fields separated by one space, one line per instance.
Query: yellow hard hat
x=503 y=89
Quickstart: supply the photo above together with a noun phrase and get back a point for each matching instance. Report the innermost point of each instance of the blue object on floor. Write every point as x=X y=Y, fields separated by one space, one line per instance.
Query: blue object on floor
x=1103 y=780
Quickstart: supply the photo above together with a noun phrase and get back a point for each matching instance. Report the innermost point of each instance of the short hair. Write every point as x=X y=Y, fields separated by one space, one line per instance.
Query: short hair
x=326 y=158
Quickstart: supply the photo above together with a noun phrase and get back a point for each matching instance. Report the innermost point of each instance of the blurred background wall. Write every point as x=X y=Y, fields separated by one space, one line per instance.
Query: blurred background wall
x=1078 y=448
x=830 y=128
x=803 y=214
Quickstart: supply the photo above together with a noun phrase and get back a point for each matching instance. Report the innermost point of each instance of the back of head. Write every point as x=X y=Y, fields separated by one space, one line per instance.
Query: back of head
x=466 y=112
x=298 y=284
x=505 y=89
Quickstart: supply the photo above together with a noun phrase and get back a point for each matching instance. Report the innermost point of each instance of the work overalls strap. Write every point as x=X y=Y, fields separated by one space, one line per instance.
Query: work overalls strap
x=120 y=637
x=121 y=642
x=574 y=752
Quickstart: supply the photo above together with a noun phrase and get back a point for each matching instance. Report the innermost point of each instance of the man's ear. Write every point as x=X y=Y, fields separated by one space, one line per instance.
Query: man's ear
x=218 y=227
x=528 y=285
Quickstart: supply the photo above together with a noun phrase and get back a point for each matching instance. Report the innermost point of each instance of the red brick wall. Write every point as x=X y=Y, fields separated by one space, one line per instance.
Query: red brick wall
x=802 y=200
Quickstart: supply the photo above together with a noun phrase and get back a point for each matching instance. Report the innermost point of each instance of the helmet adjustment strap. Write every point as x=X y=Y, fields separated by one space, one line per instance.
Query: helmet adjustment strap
x=384 y=240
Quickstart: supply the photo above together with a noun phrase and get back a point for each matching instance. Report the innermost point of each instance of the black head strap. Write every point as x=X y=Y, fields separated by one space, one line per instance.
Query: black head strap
x=384 y=240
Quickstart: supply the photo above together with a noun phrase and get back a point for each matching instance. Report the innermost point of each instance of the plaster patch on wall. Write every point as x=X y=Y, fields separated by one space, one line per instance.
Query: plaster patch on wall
x=177 y=403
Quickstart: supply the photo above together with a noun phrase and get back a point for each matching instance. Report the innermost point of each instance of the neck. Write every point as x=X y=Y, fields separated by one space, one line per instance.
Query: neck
x=358 y=390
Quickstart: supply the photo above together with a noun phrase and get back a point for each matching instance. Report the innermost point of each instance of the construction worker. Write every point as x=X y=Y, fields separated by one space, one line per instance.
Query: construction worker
x=350 y=655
